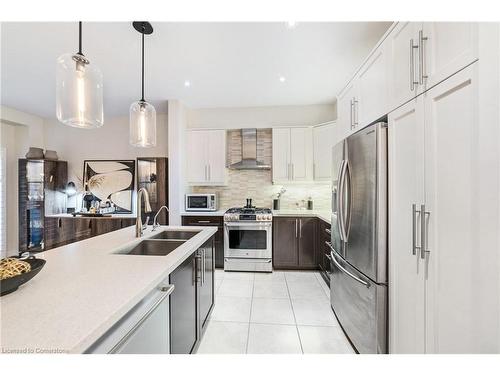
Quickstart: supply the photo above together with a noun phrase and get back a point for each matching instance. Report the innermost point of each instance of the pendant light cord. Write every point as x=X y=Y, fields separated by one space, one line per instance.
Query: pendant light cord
x=80 y=38
x=143 y=29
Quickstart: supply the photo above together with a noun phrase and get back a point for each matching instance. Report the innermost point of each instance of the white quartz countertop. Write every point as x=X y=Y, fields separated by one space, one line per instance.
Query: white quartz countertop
x=203 y=213
x=84 y=289
x=323 y=215
x=108 y=216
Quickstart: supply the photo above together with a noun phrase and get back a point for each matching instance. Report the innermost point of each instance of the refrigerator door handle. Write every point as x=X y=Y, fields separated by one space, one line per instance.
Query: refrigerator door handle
x=354 y=277
x=347 y=215
x=340 y=202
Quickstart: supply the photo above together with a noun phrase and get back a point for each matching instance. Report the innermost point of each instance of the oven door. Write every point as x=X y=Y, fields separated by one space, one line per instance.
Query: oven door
x=247 y=240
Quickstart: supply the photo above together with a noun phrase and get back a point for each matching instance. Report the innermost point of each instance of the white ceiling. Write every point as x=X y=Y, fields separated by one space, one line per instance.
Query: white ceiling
x=228 y=64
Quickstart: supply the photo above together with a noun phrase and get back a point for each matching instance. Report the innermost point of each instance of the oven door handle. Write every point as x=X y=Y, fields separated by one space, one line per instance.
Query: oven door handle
x=250 y=224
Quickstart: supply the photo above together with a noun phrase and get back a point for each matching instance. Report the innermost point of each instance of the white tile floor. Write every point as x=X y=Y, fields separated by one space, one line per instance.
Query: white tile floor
x=281 y=312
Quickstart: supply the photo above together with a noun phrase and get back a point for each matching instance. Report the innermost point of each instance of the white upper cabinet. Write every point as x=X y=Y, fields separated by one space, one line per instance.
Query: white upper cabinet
x=196 y=157
x=281 y=154
x=301 y=158
x=216 y=156
x=403 y=82
x=292 y=155
x=206 y=158
x=346 y=109
x=444 y=49
x=424 y=54
x=366 y=98
x=323 y=138
x=372 y=101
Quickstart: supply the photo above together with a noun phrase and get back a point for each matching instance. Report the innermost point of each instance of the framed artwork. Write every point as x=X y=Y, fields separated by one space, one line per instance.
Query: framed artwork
x=111 y=180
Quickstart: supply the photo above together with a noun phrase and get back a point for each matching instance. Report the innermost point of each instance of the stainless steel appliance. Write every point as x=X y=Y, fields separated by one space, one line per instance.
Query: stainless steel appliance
x=201 y=202
x=358 y=279
x=249 y=152
x=248 y=239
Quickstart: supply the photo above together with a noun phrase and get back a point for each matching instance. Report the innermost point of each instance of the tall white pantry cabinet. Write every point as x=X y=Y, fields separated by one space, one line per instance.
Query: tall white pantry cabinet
x=444 y=178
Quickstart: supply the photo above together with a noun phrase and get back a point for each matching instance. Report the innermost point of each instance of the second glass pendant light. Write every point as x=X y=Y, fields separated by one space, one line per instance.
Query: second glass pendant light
x=142 y=113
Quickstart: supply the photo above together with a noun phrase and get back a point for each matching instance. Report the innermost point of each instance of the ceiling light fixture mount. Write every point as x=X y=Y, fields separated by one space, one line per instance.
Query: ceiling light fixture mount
x=142 y=113
x=79 y=90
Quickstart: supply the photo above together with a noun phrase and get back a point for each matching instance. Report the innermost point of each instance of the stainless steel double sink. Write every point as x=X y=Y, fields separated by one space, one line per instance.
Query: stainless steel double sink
x=160 y=244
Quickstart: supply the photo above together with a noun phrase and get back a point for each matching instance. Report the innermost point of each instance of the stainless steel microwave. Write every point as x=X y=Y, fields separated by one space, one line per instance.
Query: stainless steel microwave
x=201 y=202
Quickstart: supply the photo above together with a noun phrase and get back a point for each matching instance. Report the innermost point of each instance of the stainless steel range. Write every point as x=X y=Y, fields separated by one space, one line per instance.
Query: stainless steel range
x=248 y=239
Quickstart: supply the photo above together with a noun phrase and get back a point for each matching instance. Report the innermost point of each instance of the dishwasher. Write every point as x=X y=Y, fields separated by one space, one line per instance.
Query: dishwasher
x=143 y=330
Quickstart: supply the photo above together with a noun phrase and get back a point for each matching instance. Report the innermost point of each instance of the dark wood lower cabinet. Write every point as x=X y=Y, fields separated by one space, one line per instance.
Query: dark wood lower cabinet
x=294 y=243
x=183 y=307
x=307 y=239
x=323 y=251
x=211 y=221
x=192 y=300
x=60 y=231
x=285 y=245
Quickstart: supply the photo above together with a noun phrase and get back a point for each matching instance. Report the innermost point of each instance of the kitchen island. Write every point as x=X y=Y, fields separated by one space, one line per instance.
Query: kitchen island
x=84 y=289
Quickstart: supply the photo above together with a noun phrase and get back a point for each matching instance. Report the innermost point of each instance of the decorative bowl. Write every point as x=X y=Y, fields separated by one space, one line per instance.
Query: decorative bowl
x=12 y=283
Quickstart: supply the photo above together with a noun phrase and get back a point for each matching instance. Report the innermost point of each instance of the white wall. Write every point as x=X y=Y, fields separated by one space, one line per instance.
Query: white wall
x=18 y=131
x=111 y=141
x=177 y=124
x=34 y=124
x=261 y=117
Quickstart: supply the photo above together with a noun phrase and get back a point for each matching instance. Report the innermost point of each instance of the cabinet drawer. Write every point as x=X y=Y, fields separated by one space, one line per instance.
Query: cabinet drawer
x=202 y=220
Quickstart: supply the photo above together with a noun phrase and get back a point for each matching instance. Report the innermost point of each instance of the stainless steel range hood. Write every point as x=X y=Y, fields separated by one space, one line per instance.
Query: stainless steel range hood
x=249 y=152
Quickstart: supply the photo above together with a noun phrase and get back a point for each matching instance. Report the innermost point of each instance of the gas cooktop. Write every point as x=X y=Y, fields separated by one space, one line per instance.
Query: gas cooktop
x=248 y=214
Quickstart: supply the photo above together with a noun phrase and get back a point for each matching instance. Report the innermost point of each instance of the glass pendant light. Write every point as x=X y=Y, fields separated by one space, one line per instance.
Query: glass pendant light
x=78 y=90
x=142 y=113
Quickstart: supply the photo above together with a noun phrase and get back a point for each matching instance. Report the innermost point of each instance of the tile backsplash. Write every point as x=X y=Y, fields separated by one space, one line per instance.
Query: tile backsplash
x=257 y=184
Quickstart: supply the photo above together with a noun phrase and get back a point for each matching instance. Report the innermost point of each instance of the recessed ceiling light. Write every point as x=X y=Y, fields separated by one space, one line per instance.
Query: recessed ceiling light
x=291 y=24
x=282 y=79
x=187 y=83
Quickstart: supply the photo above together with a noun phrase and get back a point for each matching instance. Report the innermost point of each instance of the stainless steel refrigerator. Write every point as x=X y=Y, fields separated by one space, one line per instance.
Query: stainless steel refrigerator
x=358 y=279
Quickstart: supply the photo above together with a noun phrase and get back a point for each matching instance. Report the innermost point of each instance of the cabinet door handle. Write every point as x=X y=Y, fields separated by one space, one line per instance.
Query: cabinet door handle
x=203 y=265
x=412 y=66
x=423 y=232
x=296 y=224
x=421 y=57
x=328 y=231
x=414 y=229
x=352 y=111
x=355 y=111
x=194 y=270
x=204 y=221
x=300 y=228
